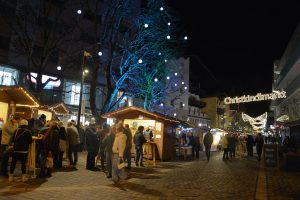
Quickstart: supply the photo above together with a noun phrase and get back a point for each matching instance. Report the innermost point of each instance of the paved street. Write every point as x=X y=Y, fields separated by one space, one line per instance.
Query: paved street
x=197 y=179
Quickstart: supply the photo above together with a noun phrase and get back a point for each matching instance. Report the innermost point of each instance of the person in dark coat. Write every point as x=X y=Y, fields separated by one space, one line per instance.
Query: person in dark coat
x=259 y=141
x=62 y=143
x=21 y=139
x=207 y=141
x=101 y=134
x=51 y=142
x=232 y=145
x=139 y=141
x=92 y=147
x=249 y=145
x=108 y=142
x=127 y=152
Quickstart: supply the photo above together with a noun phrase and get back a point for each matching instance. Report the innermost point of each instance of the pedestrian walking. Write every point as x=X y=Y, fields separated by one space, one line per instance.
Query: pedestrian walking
x=259 y=142
x=207 y=141
x=249 y=145
x=225 y=144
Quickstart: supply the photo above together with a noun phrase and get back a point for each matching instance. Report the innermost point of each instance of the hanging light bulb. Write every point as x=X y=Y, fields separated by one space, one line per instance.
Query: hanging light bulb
x=100 y=53
x=161 y=104
x=175 y=74
x=140 y=61
x=146 y=25
x=166 y=60
x=168 y=37
x=168 y=77
x=155 y=79
x=175 y=84
x=161 y=8
x=169 y=23
x=175 y=114
x=185 y=37
x=182 y=83
x=159 y=53
x=185 y=88
x=79 y=11
x=58 y=68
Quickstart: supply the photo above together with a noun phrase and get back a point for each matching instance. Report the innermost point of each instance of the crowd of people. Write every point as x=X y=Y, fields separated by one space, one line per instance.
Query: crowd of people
x=56 y=142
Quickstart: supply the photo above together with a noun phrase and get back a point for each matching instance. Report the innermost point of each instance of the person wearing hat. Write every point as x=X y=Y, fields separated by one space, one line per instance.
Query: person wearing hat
x=21 y=140
x=8 y=130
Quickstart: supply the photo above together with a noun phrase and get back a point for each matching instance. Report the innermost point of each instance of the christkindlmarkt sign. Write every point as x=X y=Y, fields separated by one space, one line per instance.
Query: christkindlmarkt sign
x=257 y=97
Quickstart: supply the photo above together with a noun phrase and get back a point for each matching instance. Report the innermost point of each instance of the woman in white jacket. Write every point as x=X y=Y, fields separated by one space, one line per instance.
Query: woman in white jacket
x=118 y=152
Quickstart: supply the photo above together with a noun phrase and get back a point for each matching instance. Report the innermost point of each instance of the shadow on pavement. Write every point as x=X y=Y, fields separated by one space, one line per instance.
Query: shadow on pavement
x=19 y=187
x=137 y=188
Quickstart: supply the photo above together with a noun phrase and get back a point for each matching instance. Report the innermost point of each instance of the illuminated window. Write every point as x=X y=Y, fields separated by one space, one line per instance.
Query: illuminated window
x=75 y=93
x=8 y=76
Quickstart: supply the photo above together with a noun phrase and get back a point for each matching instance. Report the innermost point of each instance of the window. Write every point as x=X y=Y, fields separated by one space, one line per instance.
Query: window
x=75 y=93
x=8 y=76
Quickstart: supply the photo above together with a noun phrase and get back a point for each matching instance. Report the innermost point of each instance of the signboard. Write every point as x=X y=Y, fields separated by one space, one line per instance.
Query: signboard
x=258 y=97
x=271 y=155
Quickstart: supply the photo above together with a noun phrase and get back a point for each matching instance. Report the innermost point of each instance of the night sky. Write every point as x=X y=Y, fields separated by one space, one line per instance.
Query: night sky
x=233 y=45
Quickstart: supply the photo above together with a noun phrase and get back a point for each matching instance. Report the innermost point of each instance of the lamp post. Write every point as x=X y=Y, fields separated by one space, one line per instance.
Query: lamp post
x=83 y=71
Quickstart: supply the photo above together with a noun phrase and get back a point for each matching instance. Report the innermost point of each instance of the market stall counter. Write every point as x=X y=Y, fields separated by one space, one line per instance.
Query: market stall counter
x=162 y=146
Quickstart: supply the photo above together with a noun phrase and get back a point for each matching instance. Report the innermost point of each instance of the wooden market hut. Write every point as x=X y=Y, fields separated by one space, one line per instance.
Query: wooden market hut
x=16 y=99
x=164 y=128
x=53 y=111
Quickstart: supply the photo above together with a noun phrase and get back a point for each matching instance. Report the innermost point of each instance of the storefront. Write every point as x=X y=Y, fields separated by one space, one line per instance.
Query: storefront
x=163 y=128
x=16 y=100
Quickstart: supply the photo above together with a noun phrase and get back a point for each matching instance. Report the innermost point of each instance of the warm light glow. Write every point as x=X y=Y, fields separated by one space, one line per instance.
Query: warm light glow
x=199 y=124
x=257 y=97
x=183 y=104
x=86 y=71
x=100 y=53
x=79 y=12
x=58 y=68
x=175 y=114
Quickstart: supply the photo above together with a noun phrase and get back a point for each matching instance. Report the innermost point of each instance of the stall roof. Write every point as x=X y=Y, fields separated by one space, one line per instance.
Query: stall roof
x=58 y=108
x=134 y=112
x=19 y=95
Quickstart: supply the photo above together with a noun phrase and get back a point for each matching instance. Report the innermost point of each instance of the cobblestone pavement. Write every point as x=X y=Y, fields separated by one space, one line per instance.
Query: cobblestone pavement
x=196 y=179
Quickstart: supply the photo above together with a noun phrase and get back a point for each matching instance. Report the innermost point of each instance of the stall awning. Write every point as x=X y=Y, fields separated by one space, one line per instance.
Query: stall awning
x=135 y=113
x=59 y=108
x=19 y=95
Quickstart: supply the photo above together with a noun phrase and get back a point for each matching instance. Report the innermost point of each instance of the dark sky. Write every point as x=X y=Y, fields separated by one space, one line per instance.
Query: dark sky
x=233 y=45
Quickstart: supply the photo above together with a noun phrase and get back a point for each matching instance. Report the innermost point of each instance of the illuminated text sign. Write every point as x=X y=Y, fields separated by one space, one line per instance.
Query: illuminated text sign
x=257 y=97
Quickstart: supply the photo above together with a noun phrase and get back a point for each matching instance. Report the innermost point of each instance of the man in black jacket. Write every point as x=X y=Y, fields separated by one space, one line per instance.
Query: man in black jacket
x=21 y=140
x=139 y=140
x=208 y=140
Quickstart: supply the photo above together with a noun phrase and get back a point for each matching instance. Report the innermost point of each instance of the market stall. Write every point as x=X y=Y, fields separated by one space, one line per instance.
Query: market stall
x=55 y=111
x=13 y=99
x=163 y=128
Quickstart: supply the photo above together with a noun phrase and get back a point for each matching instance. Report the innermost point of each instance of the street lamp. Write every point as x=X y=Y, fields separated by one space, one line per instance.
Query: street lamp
x=84 y=71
